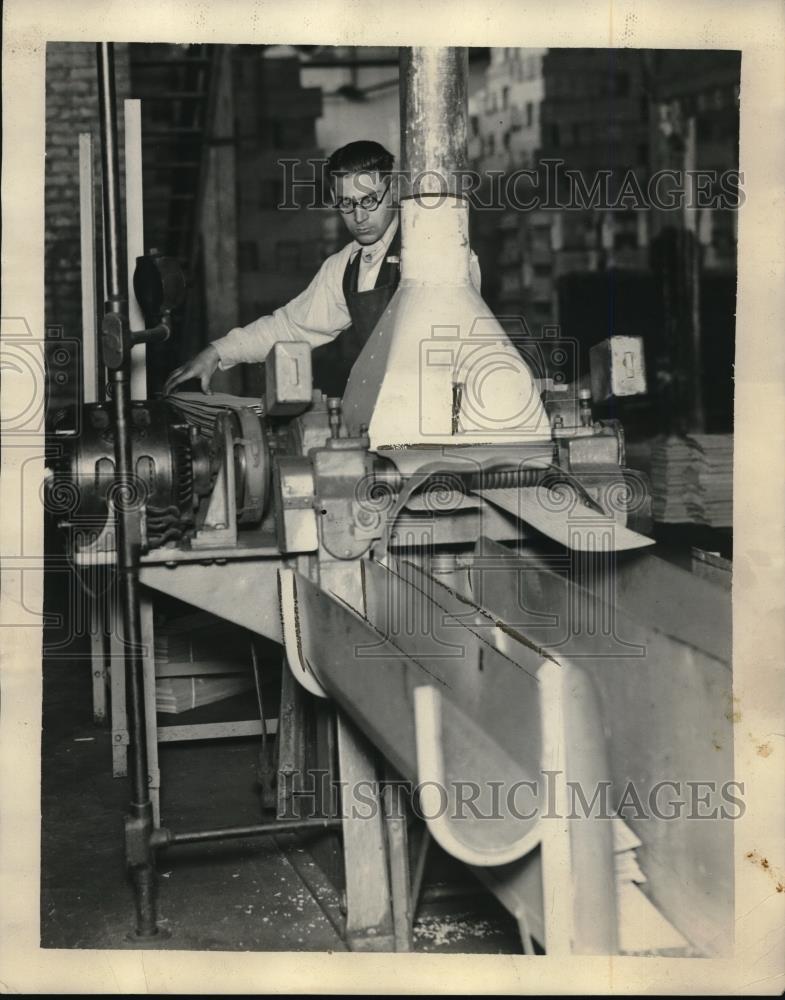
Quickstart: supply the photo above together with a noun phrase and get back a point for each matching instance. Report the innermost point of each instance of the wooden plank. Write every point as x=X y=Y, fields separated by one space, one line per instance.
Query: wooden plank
x=291 y=744
x=398 y=850
x=369 y=919
x=151 y=733
x=92 y=372
x=117 y=682
x=134 y=235
x=215 y=730
x=98 y=659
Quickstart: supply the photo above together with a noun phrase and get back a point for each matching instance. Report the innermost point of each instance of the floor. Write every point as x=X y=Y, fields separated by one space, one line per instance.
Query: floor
x=258 y=895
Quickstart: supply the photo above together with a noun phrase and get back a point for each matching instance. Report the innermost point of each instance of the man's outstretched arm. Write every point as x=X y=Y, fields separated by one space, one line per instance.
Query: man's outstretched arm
x=317 y=315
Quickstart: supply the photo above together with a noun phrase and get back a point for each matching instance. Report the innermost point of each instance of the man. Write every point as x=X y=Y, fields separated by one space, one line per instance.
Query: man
x=339 y=309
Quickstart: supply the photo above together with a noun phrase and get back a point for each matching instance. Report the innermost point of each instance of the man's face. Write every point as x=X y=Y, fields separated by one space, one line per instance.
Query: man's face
x=366 y=224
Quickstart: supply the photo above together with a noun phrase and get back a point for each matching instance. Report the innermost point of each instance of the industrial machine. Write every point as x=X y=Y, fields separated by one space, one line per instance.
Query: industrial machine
x=454 y=559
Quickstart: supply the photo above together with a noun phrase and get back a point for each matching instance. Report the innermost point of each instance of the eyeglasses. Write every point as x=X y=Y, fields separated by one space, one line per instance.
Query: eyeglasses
x=368 y=202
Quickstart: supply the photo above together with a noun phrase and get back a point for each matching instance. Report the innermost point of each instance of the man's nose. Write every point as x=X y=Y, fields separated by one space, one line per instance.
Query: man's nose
x=360 y=214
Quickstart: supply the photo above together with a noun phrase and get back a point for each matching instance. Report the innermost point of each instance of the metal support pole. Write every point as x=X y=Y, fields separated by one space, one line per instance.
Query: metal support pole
x=139 y=823
x=167 y=838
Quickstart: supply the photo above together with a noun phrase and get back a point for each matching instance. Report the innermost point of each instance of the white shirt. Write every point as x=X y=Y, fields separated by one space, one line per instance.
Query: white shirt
x=319 y=313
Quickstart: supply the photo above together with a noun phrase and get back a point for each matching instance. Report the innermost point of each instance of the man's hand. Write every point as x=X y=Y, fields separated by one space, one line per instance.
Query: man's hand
x=202 y=367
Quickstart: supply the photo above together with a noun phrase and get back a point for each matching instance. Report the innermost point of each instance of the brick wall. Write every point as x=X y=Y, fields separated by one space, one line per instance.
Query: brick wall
x=71 y=108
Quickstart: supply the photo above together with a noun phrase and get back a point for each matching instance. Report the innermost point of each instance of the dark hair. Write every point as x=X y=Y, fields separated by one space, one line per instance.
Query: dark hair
x=363 y=155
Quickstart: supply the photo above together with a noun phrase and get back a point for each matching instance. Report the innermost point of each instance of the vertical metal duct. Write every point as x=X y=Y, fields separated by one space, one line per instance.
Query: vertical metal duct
x=439 y=369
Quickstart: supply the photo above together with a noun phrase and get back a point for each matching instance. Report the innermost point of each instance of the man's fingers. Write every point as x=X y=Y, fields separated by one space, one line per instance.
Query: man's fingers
x=178 y=375
x=205 y=380
x=172 y=381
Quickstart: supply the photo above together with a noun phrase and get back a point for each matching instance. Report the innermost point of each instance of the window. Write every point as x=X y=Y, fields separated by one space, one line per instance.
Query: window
x=505 y=98
x=475 y=125
x=287 y=255
x=289 y=133
x=506 y=139
x=271 y=193
x=529 y=114
x=491 y=144
x=248 y=255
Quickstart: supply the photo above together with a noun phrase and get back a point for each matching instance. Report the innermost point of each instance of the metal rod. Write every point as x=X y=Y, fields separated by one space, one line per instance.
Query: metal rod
x=165 y=838
x=140 y=821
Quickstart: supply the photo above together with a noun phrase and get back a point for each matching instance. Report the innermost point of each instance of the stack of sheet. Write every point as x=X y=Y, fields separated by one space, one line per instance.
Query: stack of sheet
x=199 y=662
x=692 y=480
x=202 y=410
x=180 y=694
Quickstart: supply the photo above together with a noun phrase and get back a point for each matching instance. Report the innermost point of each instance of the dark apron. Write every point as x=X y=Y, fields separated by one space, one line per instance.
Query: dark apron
x=333 y=362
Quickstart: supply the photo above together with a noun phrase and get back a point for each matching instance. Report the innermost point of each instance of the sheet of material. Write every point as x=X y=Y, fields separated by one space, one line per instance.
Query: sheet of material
x=369 y=917
x=134 y=234
x=579 y=527
x=661 y=670
x=92 y=370
x=439 y=724
x=151 y=718
x=415 y=656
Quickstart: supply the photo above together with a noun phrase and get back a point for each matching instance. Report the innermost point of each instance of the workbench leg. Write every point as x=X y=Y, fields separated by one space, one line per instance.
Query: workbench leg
x=369 y=920
x=398 y=851
x=98 y=656
x=291 y=746
x=117 y=682
x=151 y=718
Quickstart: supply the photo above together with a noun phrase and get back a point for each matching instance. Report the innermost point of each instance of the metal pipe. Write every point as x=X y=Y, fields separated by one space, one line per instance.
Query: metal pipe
x=434 y=211
x=434 y=108
x=139 y=824
x=163 y=838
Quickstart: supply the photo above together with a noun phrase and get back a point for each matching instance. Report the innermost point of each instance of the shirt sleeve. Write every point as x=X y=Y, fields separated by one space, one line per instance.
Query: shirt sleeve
x=317 y=315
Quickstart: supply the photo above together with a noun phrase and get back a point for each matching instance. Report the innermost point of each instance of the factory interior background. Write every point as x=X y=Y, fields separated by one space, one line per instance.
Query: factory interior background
x=217 y=123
